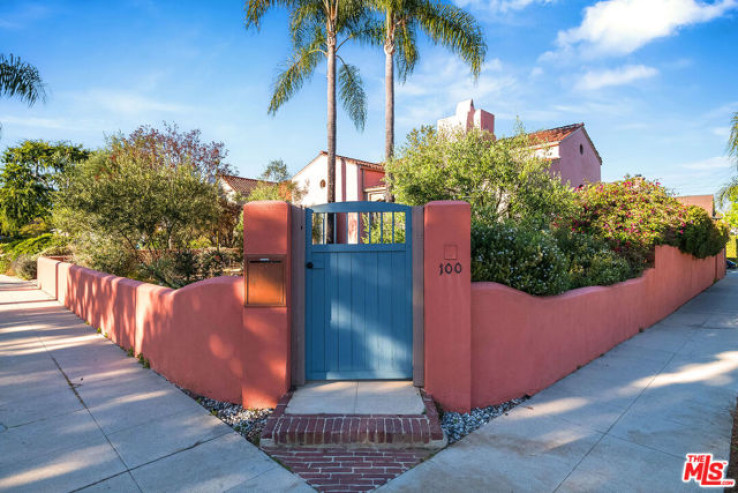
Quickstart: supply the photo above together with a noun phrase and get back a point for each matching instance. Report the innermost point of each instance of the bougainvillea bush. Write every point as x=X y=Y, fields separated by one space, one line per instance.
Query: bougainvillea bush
x=634 y=215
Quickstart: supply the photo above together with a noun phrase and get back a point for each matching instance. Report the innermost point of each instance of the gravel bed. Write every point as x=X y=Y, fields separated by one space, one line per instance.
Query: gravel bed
x=248 y=422
x=458 y=425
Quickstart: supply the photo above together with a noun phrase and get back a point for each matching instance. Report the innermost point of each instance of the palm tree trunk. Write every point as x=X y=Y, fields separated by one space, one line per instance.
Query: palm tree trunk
x=331 y=119
x=331 y=75
x=389 y=110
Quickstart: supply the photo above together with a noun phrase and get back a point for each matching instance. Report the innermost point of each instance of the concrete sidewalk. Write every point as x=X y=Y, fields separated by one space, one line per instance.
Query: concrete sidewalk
x=622 y=423
x=77 y=414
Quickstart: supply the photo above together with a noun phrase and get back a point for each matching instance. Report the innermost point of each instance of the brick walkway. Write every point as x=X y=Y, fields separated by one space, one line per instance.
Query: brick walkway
x=348 y=470
x=351 y=452
x=421 y=430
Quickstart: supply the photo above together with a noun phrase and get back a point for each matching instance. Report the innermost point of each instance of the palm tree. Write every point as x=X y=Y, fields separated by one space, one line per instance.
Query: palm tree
x=20 y=79
x=444 y=24
x=316 y=26
x=730 y=191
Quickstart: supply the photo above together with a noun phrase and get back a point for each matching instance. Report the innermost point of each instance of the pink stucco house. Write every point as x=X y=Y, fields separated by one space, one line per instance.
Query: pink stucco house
x=570 y=150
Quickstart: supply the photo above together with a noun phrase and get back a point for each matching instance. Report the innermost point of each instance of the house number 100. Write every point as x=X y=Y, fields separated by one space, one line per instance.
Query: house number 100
x=447 y=268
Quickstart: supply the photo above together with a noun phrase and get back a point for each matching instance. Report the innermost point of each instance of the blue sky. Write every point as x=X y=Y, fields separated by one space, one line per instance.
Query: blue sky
x=653 y=80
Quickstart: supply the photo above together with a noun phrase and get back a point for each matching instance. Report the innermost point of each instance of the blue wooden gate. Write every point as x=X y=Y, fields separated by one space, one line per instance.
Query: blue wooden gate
x=358 y=292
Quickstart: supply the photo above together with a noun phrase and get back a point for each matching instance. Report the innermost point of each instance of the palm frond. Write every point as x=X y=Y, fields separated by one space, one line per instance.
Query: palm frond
x=352 y=95
x=406 y=51
x=256 y=9
x=305 y=18
x=21 y=79
x=733 y=140
x=729 y=192
x=455 y=29
x=298 y=70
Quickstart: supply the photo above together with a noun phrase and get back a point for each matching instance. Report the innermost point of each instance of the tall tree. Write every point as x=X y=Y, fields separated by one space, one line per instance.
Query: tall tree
x=319 y=29
x=21 y=80
x=445 y=25
x=29 y=175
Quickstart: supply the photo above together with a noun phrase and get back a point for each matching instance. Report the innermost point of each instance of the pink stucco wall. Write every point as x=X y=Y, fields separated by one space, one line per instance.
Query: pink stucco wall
x=200 y=337
x=46 y=276
x=575 y=167
x=447 y=307
x=266 y=335
x=512 y=343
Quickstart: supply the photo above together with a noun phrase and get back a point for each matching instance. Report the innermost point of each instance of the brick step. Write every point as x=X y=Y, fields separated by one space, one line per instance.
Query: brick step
x=360 y=430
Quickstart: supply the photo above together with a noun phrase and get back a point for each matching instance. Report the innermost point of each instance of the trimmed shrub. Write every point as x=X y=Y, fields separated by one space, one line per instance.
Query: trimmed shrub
x=524 y=259
x=701 y=236
x=590 y=260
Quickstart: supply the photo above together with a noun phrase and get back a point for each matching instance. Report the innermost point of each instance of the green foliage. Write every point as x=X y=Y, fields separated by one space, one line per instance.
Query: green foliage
x=733 y=140
x=731 y=249
x=590 y=260
x=701 y=236
x=275 y=171
x=136 y=207
x=28 y=177
x=633 y=214
x=501 y=179
x=444 y=23
x=20 y=79
x=18 y=257
x=319 y=28
x=519 y=257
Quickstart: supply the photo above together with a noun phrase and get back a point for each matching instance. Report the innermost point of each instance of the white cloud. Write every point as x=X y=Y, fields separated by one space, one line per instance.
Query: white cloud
x=620 y=27
x=500 y=6
x=713 y=163
x=597 y=79
x=443 y=81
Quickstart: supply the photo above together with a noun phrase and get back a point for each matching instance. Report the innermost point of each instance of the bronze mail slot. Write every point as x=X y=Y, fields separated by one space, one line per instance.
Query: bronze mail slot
x=266 y=280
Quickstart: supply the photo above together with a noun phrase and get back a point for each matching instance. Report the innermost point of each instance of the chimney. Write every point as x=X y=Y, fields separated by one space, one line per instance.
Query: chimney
x=466 y=118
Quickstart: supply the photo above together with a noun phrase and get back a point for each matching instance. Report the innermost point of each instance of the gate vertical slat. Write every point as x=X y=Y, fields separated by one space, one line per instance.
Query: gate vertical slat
x=359 y=308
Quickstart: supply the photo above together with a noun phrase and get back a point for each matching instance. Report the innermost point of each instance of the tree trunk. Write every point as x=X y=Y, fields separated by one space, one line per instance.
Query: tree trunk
x=389 y=110
x=331 y=75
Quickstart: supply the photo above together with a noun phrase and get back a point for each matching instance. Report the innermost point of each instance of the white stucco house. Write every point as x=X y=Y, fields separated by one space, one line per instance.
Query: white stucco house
x=356 y=180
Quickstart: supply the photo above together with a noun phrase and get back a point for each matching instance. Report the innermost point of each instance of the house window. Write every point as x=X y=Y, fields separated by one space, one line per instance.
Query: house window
x=581 y=149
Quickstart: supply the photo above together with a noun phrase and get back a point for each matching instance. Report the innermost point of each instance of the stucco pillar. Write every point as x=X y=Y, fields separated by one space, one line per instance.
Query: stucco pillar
x=447 y=313
x=266 y=343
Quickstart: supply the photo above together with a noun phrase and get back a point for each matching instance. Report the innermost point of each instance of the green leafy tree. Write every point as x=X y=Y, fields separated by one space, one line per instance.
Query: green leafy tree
x=275 y=171
x=443 y=23
x=29 y=176
x=501 y=179
x=139 y=205
x=320 y=28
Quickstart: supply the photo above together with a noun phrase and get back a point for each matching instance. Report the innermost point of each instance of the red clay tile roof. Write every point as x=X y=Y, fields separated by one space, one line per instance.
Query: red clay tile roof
x=552 y=135
x=555 y=135
x=244 y=186
x=704 y=201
